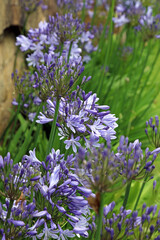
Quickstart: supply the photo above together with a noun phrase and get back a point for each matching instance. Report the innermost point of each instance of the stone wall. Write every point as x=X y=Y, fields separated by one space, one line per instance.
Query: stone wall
x=11 y=19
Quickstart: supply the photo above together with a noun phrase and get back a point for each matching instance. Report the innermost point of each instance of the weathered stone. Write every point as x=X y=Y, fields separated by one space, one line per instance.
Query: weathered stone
x=7 y=53
x=11 y=15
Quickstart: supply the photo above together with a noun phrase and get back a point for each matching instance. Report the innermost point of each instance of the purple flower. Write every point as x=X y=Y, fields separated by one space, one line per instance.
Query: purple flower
x=120 y=20
x=63 y=234
x=128 y=223
x=72 y=142
x=131 y=162
x=149 y=25
x=24 y=42
x=47 y=233
x=43 y=119
x=96 y=168
x=54 y=178
x=32 y=158
x=128 y=11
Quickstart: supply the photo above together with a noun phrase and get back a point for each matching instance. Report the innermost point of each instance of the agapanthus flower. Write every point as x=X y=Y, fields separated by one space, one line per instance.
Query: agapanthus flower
x=80 y=116
x=100 y=168
x=96 y=168
x=73 y=6
x=149 y=25
x=132 y=164
x=131 y=225
x=49 y=80
x=17 y=181
x=40 y=197
x=152 y=131
x=56 y=79
x=30 y=6
x=128 y=11
x=28 y=99
x=14 y=178
x=62 y=35
x=61 y=192
x=120 y=20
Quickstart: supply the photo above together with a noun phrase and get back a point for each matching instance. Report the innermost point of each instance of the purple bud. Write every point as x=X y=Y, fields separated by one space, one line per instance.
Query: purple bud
x=1 y=162
x=155 y=130
x=150 y=121
x=17 y=223
x=149 y=210
x=119 y=225
x=84 y=190
x=32 y=233
x=61 y=209
x=157 y=121
x=35 y=178
x=148 y=164
x=154 y=184
x=40 y=214
x=134 y=214
x=110 y=222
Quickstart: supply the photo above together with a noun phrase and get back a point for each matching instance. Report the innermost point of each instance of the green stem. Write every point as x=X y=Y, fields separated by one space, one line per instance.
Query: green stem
x=127 y=194
x=9 y=210
x=53 y=129
x=141 y=190
x=83 y=11
x=107 y=48
x=94 y=14
x=16 y=118
x=134 y=100
x=28 y=139
x=100 y=217
x=69 y=52
x=2 y=138
x=36 y=135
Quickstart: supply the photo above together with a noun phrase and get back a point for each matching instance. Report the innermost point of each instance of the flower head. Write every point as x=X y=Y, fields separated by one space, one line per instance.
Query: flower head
x=79 y=117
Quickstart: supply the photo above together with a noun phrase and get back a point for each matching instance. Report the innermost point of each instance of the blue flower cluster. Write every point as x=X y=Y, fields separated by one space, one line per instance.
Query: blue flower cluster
x=54 y=183
x=79 y=117
x=62 y=35
x=135 y=13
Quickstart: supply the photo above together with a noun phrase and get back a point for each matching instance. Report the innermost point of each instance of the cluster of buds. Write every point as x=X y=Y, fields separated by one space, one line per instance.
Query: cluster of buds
x=152 y=131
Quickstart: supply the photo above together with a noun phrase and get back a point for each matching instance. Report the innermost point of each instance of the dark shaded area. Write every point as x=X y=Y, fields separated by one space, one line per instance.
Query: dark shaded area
x=13 y=29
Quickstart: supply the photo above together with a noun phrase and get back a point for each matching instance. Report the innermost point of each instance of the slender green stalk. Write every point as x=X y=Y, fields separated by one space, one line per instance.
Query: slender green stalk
x=127 y=194
x=53 y=129
x=140 y=192
x=69 y=52
x=9 y=210
x=28 y=139
x=83 y=11
x=94 y=14
x=16 y=117
x=108 y=49
x=148 y=77
x=134 y=102
x=100 y=217
x=36 y=135
x=7 y=129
